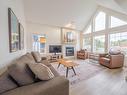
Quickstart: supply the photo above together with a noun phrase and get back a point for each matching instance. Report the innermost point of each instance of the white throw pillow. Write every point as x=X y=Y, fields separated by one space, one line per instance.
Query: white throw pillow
x=41 y=71
x=115 y=50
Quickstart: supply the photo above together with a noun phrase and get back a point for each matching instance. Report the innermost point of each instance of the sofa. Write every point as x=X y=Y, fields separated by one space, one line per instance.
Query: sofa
x=58 y=85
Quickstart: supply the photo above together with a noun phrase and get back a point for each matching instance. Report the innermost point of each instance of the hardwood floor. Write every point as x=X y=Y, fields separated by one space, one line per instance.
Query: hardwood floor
x=108 y=82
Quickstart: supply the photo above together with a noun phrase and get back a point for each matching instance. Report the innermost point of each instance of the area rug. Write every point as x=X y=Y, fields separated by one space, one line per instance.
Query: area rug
x=85 y=70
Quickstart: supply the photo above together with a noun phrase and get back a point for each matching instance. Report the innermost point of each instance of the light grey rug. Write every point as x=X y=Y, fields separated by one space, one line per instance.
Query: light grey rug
x=85 y=70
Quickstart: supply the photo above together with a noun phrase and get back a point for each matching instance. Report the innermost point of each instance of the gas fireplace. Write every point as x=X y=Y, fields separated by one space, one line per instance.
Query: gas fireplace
x=69 y=51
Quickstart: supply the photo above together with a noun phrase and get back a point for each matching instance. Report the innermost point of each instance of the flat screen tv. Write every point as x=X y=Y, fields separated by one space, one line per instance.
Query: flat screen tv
x=55 y=49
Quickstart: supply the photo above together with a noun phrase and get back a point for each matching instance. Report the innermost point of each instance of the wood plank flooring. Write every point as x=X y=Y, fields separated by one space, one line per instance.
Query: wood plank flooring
x=108 y=82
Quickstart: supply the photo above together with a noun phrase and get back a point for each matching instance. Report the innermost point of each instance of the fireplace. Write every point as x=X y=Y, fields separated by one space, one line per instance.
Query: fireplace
x=69 y=51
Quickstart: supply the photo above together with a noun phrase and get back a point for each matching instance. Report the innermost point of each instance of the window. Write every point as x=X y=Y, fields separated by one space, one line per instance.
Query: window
x=88 y=30
x=100 y=21
x=39 y=43
x=119 y=39
x=87 y=43
x=99 y=43
x=115 y=22
x=98 y=37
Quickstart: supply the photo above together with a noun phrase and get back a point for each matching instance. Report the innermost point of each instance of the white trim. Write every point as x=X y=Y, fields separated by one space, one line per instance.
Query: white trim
x=108 y=29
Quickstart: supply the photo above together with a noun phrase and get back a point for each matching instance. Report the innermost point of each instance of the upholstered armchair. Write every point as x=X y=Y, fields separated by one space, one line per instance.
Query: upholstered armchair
x=111 y=61
x=82 y=54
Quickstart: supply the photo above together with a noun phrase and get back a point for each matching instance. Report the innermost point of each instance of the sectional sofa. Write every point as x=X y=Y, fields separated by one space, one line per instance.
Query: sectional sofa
x=59 y=85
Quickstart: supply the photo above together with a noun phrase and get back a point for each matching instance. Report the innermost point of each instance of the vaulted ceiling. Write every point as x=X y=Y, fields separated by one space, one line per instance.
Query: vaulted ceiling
x=61 y=12
x=122 y=4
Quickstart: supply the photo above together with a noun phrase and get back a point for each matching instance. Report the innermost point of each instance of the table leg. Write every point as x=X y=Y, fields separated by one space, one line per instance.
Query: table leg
x=73 y=70
x=67 y=72
x=58 y=65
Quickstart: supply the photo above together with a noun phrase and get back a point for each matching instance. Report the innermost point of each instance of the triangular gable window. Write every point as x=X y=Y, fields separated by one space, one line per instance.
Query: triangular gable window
x=88 y=30
x=115 y=22
x=100 y=21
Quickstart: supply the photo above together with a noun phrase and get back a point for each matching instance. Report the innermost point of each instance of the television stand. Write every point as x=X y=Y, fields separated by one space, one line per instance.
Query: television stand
x=54 y=57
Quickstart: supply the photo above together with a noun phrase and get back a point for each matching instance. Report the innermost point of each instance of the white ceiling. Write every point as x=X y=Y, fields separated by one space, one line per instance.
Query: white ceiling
x=111 y=4
x=61 y=12
x=122 y=4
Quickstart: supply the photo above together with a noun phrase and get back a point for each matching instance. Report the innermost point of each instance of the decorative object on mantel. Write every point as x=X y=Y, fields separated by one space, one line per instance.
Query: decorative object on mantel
x=21 y=37
x=68 y=36
x=13 y=31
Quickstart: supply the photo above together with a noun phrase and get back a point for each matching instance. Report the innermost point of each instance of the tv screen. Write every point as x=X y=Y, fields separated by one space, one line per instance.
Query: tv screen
x=55 y=49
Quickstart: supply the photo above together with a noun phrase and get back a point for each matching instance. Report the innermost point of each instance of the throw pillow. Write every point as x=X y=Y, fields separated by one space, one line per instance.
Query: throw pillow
x=21 y=74
x=29 y=55
x=41 y=71
x=6 y=83
x=36 y=56
x=115 y=51
x=46 y=62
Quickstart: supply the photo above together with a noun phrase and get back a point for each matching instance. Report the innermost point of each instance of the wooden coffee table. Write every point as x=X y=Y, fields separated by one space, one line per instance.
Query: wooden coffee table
x=68 y=64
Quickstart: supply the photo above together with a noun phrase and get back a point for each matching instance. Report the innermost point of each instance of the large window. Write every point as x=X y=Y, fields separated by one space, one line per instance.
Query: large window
x=119 y=39
x=88 y=30
x=103 y=38
x=87 y=43
x=115 y=22
x=39 y=43
x=99 y=43
x=100 y=21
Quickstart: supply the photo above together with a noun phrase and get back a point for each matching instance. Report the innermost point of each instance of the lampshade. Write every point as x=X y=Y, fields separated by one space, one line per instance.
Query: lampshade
x=42 y=40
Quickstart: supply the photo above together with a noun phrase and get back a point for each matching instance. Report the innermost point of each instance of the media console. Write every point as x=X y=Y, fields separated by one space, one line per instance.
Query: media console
x=54 y=57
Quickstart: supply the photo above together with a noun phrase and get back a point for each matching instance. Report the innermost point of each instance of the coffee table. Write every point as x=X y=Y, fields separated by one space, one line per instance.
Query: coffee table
x=68 y=64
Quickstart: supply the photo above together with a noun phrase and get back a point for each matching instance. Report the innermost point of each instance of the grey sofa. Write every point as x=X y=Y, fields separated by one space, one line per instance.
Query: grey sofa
x=59 y=85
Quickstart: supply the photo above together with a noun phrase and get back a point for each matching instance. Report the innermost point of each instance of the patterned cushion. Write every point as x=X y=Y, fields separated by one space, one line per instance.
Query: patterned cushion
x=41 y=71
x=46 y=62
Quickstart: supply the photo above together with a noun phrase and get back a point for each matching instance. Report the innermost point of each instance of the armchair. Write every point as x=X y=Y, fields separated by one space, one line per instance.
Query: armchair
x=82 y=54
x=112 y=61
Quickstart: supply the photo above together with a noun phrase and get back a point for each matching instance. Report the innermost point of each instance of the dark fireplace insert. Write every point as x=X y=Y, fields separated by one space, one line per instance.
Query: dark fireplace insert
x=69 y=51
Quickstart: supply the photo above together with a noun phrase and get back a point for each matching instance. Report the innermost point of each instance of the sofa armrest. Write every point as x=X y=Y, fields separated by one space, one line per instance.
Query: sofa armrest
x=55 y=86
x=103 y=55
x=45 y=62
x=43 y=58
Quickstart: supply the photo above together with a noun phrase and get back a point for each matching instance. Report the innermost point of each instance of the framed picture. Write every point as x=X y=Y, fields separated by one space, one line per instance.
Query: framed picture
x=13 y=31
x=68 y=36
x=21 y=37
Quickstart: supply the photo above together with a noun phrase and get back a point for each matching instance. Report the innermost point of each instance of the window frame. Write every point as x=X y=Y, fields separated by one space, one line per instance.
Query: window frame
x=39 y=34
x=108 y=30
x=94 y=21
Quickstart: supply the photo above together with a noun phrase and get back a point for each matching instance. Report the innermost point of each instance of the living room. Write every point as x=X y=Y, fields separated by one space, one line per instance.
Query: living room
x=77 y=45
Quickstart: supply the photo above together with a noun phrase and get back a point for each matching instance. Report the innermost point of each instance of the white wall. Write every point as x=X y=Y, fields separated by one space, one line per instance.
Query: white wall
x=17 y=7
x=53 y=34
